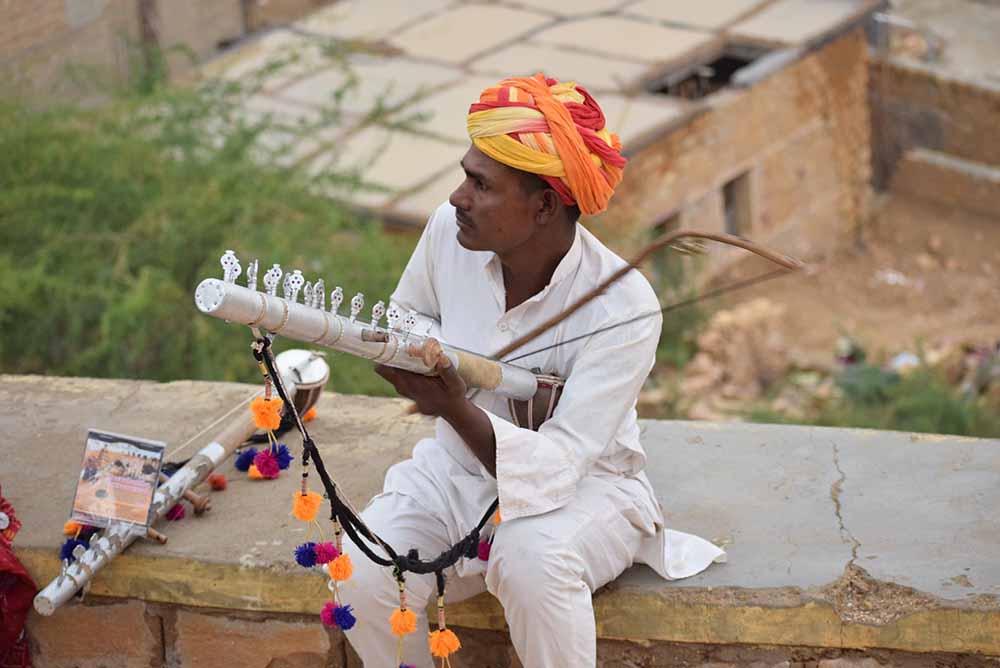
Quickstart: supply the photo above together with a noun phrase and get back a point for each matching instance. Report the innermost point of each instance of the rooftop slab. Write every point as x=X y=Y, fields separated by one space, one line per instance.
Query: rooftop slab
x=370 y=81
x=968 y=30
x=368 y=19
x=794 y=22
x=596 y=72
x=434 y=57
x=625 y=38
x=457 y=35
x=836 y=537
x=708 y=14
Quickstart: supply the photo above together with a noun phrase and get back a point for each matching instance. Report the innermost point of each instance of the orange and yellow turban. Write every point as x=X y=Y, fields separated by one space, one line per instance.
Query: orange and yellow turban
x=552 y=129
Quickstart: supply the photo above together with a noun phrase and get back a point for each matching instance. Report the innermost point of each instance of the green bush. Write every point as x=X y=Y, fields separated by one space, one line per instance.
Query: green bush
x=112 y=215
x=921 y=401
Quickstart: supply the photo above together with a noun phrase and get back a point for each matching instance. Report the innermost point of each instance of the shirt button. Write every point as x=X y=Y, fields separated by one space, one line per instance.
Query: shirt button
x=502 y=327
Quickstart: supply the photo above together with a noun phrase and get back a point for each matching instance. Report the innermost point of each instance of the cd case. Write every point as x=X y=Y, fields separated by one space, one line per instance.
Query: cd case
x=118 y=479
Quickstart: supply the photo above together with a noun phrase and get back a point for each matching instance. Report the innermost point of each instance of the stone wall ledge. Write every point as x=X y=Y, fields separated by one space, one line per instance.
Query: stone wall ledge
x=837 y=538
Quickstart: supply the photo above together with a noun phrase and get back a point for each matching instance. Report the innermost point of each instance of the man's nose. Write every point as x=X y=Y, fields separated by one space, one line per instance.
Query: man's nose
x=459 y=197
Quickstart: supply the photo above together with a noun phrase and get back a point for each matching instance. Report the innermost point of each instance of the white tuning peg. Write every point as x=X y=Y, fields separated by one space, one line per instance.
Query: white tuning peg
x=293 y=283
x=377 y=312
x=271 y=279
x=230 y=267
x=336 y=299
x=392 y=316
x=357 y=303
x=307 y=294
x=252 y=275
x=319 y=295
x=409 y=322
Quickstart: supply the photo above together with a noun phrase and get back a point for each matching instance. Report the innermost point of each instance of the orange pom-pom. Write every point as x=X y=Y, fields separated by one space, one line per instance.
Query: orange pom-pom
x=310 y=415
x=72 y=528
x=218 y=482
x=266 y=413
x=305 y=506
x=403 y=622
x=496 y=517
x=444 y=642
x=341 y=568
x=254 y=474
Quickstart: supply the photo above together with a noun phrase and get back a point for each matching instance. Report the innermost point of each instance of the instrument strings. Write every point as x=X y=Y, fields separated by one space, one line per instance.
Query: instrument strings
x=649 y=314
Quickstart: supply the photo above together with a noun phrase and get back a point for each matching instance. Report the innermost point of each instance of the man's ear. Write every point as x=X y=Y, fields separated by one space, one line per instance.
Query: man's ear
x=549 y=206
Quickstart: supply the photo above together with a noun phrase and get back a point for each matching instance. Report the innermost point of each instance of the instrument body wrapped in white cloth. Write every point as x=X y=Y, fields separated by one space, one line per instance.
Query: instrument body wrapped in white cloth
x=312 y=323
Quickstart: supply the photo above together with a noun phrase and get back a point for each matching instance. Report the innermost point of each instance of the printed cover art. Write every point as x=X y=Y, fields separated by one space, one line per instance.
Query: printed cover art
x=118 y=479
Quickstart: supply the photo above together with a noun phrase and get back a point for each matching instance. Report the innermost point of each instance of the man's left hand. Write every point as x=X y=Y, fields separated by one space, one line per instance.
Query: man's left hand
x=441 y=394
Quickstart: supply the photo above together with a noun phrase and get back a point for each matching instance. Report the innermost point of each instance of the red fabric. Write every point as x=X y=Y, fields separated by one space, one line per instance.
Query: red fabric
x=17 y=590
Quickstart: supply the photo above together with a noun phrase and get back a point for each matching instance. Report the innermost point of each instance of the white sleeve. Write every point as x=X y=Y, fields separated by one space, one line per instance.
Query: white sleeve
x=539 y=471
x=415 y=290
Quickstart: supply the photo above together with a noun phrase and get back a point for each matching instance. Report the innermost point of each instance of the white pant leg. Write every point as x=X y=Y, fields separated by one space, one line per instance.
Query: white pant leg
x=543 y=570
x=405 y=524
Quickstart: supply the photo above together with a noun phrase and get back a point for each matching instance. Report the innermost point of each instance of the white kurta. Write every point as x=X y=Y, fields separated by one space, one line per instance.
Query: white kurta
x=594 y=430
x=577 y=508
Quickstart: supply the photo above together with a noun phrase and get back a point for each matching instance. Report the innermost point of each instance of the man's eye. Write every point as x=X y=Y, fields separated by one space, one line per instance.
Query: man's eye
x=480 y=185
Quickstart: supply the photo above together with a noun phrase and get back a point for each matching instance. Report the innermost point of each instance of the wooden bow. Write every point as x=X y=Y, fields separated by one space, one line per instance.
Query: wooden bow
x=674 y=239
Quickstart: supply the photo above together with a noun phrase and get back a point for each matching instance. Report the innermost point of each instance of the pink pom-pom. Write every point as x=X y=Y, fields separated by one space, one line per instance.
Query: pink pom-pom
x=484 y=550
x=326 y=552
x=267 y=464
x=326 y=615
x=177 y=512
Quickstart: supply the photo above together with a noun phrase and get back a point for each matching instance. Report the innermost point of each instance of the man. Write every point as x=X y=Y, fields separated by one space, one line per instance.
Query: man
x=505 y=254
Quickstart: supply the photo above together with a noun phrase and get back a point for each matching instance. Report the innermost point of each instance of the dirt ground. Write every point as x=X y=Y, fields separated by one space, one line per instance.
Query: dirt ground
x=921 y=273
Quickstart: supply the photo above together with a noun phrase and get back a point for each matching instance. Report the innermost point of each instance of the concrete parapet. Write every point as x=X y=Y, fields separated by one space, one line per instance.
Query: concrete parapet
x=846 y=547
x=915 y=105
x=949 y=181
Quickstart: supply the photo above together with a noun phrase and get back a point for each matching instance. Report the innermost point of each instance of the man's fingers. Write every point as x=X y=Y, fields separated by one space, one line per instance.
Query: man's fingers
x=448 y=373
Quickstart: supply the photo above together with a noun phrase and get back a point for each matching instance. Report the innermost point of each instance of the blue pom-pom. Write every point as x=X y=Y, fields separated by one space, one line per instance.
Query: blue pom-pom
x=66 y=552
x=283 y=456
x=245 y=459
x=305 y=555
x=344 y=617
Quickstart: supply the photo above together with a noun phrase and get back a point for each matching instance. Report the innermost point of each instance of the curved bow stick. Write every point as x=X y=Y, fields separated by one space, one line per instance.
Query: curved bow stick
x=674 y=239
x=669 y=239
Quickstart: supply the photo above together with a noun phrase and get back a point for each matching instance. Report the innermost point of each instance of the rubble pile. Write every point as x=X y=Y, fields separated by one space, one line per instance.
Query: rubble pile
x=744 y=363
x=739 y=356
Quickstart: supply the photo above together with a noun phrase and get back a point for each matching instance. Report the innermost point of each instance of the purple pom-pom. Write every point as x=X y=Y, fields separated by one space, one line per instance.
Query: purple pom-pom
x=343 y=616
x=406 y=665
x=326 y=552
x=245 y=459
x=66 y=551
x=484 y=550
x=305 y=555
x=267 y=464
x=283 y=456
x=326 y=615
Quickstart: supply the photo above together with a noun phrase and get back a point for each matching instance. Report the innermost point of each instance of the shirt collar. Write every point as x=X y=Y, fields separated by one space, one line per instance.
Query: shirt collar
x=566 y=267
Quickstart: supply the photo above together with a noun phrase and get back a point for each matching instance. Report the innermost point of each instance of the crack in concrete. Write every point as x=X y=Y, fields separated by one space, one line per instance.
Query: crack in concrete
x=835 y=489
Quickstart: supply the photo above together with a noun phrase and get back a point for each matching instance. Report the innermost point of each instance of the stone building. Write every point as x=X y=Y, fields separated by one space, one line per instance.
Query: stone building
x=42 y=40
x=743 y=116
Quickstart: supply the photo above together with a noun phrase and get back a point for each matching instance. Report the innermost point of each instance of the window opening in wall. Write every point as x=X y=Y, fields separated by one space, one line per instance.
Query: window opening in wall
x=701 y=79
x=736 y=205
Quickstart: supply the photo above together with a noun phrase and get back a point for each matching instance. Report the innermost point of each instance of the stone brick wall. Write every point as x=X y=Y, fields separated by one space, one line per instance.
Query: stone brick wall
x=916 y=106
x=133 y=634
x=802 y=137
x=41 y=38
